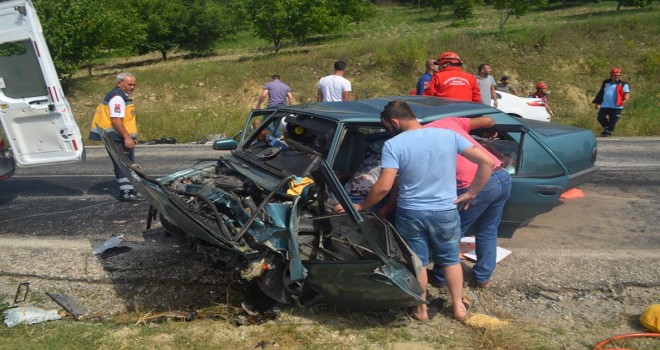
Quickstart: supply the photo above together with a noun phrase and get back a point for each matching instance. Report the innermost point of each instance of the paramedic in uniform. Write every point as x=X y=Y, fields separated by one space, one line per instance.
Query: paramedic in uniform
x=116 y=116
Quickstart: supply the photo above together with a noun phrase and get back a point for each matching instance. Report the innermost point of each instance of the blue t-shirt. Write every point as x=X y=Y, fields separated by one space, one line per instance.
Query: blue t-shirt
x=423 y=83
x=426 y=163
x=609 y=95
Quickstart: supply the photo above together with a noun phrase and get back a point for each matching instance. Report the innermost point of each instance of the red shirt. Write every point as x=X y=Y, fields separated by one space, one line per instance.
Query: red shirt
x=465 y=169
x=452 y=82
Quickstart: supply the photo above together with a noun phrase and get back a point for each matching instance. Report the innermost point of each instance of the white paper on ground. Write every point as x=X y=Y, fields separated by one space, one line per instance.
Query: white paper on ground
x=472 y=255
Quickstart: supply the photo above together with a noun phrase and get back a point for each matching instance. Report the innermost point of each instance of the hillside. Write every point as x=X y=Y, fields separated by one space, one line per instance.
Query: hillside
x=572 y=49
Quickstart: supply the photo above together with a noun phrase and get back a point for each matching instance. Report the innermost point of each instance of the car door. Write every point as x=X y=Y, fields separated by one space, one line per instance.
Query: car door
x=539 y=178
x=35 y=114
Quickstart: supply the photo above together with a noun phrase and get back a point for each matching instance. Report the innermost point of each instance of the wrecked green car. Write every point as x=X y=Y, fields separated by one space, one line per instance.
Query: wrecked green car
x=265 y=208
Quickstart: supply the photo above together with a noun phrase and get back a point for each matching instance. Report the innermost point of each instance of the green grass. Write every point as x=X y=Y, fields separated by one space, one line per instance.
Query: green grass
x=572 y=49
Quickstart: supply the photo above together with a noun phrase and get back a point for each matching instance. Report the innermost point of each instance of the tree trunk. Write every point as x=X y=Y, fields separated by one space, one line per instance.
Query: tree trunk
x=504 y=18
x=89 y=69
x=164 y=54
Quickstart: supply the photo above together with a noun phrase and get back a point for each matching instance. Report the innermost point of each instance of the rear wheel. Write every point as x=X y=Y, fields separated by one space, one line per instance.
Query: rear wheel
x=276 y=283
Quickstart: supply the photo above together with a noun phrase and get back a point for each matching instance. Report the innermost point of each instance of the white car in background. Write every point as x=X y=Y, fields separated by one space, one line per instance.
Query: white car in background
x=39 y=127
x=522 y=107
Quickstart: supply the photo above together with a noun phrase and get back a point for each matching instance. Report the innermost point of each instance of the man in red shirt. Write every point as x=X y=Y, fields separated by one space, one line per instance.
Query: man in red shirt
x=452 y=82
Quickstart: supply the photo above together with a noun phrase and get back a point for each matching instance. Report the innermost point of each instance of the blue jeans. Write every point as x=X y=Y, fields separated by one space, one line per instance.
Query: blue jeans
x=437 y=231
x=484 y=215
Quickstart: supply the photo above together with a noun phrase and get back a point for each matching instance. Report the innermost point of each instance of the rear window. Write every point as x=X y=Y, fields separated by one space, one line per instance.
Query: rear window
x=20 y=72
x=548 y=129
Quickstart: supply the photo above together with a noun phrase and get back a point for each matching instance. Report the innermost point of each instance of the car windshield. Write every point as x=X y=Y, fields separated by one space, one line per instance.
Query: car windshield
x=287 y=143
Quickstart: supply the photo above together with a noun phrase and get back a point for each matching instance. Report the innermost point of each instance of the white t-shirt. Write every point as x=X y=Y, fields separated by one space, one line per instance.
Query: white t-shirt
x=117 y=107
x=332 y=87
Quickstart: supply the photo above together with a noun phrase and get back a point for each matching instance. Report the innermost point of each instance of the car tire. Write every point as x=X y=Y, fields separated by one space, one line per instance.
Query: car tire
x=276 y=284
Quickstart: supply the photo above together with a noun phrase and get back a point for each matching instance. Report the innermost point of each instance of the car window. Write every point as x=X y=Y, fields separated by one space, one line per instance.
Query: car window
x=522 y=155
x=358 y=143
x=286 y=143
x=20 y=75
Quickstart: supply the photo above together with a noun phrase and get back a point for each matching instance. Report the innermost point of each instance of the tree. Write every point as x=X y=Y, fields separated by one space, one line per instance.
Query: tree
x=194 y=25
x=280 y=20
x=78 y=31
x=632 y=3
x=205 y=23
x=462 y=9
x=516 y=8
x=355 y=11
x=162 y=25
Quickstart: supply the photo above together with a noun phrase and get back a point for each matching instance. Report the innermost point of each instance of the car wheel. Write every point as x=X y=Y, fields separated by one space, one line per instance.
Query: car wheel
x=170 y=227
x=276 y=283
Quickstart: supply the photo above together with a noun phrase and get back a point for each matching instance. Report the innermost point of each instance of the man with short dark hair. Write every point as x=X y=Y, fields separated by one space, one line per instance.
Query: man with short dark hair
x=334 y=87
x=425 y=79
x=505 y=86
x=424 y=162
x=116 y=116
x=486 y=85
x=277 y=93
x=612 y=96
x=451 y=82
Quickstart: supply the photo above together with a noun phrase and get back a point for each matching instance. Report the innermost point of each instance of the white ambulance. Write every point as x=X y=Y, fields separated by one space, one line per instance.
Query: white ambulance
x=39 y=128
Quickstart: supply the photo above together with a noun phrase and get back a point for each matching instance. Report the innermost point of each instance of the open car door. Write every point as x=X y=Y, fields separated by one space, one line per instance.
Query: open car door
x=35 y=115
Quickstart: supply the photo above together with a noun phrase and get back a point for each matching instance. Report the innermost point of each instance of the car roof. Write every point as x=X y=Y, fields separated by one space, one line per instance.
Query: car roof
x=426 y=108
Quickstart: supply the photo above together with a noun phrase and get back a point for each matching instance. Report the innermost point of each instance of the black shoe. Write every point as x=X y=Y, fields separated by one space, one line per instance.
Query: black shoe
x=130 y=196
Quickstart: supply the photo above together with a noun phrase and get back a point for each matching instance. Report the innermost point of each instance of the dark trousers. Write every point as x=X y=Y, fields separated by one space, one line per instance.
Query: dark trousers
x=608 y=117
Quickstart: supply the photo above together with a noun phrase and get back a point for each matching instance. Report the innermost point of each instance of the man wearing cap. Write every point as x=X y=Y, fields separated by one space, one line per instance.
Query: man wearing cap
x=452 y=82
x=504 y=86
x=542 y=93
x=334 y=87
x=613 y=94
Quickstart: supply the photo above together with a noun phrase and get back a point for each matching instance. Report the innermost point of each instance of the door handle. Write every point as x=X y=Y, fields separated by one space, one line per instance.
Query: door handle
x=547 y=190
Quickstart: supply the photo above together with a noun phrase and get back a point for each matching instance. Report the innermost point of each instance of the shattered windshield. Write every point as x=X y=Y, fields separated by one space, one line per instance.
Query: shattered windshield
x=287 y=143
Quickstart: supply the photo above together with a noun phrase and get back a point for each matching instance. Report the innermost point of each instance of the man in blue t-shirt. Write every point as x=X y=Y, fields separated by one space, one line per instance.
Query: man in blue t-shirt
x=424 y=160
x=425 y=79
x=613 y=94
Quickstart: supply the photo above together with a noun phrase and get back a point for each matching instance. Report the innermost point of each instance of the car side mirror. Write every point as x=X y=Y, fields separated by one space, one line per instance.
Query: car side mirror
x=225 y=145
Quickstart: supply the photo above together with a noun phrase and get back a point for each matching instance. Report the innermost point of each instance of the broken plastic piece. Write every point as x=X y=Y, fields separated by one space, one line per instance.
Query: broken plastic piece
x=110 y=243
x=28 y=315
x=70 y=305
x=23 y=288
x=572 y=193
x=114 y=251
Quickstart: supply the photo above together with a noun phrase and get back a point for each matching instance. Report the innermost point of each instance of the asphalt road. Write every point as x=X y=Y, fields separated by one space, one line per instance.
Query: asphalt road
x=52 y=217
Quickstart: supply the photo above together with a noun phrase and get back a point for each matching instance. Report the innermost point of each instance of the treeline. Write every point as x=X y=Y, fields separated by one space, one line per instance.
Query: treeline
x=80 y=31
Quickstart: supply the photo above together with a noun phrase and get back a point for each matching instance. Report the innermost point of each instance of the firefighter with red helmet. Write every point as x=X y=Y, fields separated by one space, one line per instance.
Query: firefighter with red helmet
x=613 y=94
x=541 y=92
x=451 y=82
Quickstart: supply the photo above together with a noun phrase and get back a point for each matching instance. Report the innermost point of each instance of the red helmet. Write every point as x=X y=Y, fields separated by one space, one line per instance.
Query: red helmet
x=448 y=57
x=615 y=71
x=541 y=85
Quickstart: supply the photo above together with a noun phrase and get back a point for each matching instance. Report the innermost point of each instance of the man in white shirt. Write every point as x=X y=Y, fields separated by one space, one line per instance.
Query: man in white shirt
x=334 y=87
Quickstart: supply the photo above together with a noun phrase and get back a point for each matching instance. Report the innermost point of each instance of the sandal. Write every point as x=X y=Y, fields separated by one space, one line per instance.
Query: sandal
x=467 y=304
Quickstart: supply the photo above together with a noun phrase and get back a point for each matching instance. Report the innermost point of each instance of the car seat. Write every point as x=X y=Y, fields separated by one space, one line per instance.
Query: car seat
x=351 y=152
